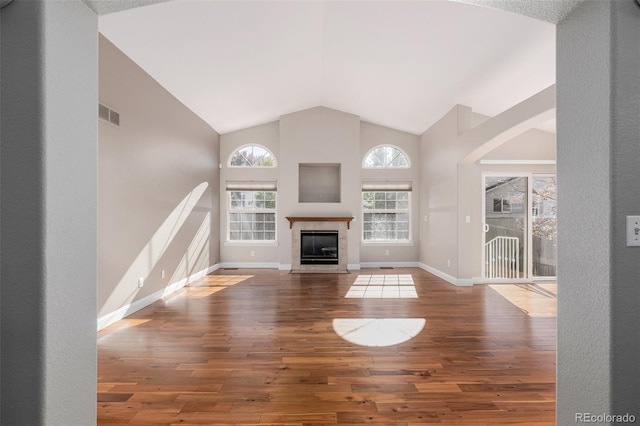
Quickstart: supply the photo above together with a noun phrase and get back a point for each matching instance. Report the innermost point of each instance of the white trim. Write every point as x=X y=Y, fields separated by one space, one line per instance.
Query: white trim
x=389 y=264
x=536 y=278
x=273 y=211
x=353 y=266
x=251 y=185
x=479 y=280
x=408 y=211
x=390 y=243
x=284 y=267
x=465 y=282
x=518 y=162
x=408 y=166
x=438 y=273
x=275 y=161
x=250 y=265
x=253 y=243
x=386 y=186
x=126 y=310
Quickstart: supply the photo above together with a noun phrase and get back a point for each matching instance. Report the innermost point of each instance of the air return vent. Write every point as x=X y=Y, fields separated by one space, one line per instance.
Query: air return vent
x=107 y=114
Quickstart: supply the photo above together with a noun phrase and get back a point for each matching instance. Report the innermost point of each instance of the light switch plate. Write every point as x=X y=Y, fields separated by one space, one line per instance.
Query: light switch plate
x=633 y=231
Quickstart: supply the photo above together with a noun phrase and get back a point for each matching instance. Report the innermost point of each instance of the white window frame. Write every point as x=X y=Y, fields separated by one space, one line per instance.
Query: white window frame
x=253 y=166
x=231 y=211
x=364 y=160
x=384 y=211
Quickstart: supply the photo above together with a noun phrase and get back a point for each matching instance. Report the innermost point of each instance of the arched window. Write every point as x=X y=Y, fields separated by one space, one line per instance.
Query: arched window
x=386 y=157
x=252 y=156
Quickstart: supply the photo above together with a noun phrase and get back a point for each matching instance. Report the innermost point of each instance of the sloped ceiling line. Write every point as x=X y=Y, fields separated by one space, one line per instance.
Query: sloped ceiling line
x=398 y=64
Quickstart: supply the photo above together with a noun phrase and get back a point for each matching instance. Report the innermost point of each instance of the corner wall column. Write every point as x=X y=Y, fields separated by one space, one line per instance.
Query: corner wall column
x=48 y=175
x=598 y=114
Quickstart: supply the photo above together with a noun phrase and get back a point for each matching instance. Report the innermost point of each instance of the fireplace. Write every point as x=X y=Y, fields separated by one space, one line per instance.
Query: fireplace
x=329 y=233
x=319 y=247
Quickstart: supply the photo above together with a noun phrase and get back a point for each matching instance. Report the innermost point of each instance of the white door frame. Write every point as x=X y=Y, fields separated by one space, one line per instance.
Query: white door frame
x=529 y=227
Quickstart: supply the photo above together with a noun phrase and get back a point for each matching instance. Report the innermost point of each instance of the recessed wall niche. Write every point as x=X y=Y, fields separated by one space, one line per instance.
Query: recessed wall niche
x=319 y=182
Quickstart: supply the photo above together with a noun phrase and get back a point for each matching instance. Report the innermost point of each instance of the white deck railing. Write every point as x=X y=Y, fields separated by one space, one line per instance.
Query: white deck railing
x=502 y=258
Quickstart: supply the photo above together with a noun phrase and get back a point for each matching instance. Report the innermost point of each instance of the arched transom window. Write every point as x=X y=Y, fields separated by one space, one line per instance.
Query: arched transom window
x=252 y=156
x=385 y=157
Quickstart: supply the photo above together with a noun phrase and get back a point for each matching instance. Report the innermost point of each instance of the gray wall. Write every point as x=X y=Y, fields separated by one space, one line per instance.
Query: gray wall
x=598 y=174
x=48 y=240
x=158 y=202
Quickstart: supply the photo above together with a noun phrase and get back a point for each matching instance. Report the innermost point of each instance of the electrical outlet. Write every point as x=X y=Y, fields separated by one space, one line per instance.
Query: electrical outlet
x=253 y=253
x=162 y=274
x=448 y=262
x=633 y=231
x=140 y=282
x=386 y=252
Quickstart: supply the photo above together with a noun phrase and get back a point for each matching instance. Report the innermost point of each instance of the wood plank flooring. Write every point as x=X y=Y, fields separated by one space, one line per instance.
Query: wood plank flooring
x=259 y=347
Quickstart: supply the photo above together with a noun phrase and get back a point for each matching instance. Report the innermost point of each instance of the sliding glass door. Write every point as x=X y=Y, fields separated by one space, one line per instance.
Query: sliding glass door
x=519 y=226
x=505 y=226
x=543 y=230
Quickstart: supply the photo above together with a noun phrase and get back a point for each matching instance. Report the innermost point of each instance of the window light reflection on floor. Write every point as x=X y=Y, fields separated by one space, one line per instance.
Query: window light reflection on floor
x=376 y=332
x=391 y=286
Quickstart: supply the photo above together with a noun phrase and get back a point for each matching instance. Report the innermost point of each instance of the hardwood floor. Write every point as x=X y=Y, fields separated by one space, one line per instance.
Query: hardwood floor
x=261 y=347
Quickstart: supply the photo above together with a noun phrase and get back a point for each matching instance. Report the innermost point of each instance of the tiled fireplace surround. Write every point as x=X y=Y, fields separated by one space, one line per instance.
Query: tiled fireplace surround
x=340 y=224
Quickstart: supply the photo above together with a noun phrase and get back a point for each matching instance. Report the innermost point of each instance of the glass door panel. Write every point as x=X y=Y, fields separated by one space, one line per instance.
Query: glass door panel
x=506 y=219
x=543 y=232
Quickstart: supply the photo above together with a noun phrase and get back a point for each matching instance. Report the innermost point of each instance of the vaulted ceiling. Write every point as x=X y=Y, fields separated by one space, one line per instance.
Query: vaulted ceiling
x=402 y=64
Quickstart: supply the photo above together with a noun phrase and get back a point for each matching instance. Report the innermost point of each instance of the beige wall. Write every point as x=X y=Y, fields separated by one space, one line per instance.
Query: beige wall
x=267 y=135
x=451 y=191
x=531 y=145
x=439 y=156
x=158 y=187
x=317 y=135
x=372 y=135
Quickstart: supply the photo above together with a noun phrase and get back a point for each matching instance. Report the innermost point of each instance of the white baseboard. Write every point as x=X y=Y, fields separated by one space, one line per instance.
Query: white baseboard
x=389 y=264
x=284 y=267
x=478 y=280
x=135 y=306
x=449 y=278
x=354 y=266
x=250 y=265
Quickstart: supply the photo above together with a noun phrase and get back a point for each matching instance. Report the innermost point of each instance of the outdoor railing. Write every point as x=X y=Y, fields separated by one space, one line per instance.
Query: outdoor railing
x=502 y=258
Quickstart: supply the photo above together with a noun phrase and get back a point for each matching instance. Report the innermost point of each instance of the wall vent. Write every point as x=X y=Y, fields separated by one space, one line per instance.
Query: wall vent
x=107 y=114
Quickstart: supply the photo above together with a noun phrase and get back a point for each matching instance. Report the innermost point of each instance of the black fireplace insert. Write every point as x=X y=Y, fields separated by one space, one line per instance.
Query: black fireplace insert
x=318 y=247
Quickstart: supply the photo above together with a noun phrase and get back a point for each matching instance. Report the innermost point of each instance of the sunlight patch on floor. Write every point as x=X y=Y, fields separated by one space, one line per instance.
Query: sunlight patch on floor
x=391 y=286
x=202 y=292
x=206 y=286
x=123 y=324
x=376 y=332
x=536 y=300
